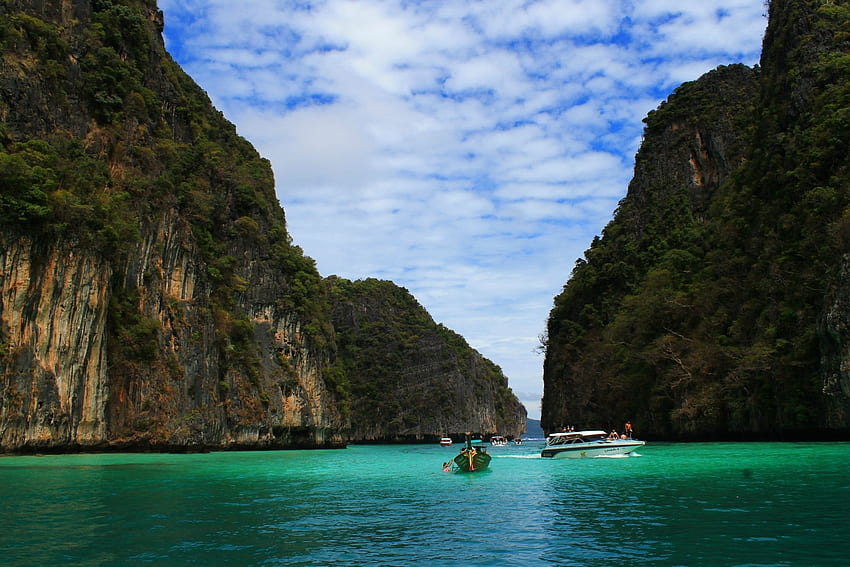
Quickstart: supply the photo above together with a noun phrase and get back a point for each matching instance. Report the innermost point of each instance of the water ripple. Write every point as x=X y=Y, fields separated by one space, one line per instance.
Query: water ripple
x=730 y=504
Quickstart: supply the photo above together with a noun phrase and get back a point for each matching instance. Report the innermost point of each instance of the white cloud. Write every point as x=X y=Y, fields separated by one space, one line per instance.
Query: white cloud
x=468 y=150
x=314 y=148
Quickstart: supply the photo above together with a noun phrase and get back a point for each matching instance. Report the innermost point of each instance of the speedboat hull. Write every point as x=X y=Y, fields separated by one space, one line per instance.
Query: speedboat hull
x=592 y=449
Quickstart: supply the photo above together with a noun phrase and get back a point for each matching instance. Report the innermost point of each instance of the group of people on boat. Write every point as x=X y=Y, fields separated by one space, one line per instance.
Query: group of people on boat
x=627 y=434
x=613 y=436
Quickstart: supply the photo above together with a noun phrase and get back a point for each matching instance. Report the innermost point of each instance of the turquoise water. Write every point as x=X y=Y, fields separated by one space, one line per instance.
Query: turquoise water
x=675 y=504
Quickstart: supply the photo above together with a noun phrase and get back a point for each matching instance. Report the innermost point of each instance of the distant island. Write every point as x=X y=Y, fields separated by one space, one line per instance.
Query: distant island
x=533 y=429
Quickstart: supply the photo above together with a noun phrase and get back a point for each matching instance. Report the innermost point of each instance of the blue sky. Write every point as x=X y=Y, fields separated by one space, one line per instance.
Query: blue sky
x=467 y=150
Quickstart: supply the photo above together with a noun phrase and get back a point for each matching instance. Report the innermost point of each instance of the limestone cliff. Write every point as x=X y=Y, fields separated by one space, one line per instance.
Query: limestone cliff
x=715 y=303
x=149 y=293
x=410 y=378
x=54 y=308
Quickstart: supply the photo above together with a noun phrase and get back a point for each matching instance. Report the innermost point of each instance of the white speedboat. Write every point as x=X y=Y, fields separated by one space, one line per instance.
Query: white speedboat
x=578 y=444
x=498 y=441
x=446 y=441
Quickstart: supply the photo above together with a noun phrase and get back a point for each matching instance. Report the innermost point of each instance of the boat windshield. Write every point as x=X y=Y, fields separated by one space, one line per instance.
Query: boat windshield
x=563 y=439
x=595 y=436
x=572 y=437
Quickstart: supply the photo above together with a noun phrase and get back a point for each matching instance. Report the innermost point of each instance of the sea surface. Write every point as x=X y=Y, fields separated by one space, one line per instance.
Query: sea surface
x=674 y=504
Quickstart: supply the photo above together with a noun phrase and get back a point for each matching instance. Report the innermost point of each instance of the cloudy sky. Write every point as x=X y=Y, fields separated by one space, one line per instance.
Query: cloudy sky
x=468 y=150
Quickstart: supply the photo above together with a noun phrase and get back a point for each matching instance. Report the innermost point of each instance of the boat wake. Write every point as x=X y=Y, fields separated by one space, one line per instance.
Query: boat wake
x=624 y=456
x=517 y=456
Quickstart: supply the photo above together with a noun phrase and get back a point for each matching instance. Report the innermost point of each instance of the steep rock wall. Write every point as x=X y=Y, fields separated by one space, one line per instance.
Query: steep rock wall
x=410 y=378
x=692 y=144
x=65 y=388
x=53 y=370
x=146 y=292
x=723 y=313
x=835 y=349
x=267 y=390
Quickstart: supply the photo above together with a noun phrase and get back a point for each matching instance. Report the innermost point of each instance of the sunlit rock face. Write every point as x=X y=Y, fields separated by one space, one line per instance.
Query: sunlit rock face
x=54 y=309
x=161 y=314
x=68 y=381
x=151 y=297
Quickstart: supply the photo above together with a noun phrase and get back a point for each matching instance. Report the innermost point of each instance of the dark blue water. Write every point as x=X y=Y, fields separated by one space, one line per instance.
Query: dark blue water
x=675 y=504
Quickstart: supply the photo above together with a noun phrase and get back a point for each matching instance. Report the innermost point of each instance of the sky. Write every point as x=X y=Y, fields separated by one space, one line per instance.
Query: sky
x=467 y=150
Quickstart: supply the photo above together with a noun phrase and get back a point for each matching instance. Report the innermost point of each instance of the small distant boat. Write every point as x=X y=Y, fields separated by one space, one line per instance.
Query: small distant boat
x=446 y=441
x=578 y=444
x=517 y=441
x=498 y=441
x=472 y=459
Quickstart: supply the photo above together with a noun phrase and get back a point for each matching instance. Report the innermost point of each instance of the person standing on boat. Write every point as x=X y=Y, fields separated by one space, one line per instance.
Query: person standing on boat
x=629 y=429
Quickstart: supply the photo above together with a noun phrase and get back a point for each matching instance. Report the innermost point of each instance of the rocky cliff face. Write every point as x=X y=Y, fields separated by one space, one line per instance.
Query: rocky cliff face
x=146 y=277
x=150 y=295
x=692 y=144
x=245 y=377
x=714 y=304
x=54 y=306
x=183 y=389
x=410 y=378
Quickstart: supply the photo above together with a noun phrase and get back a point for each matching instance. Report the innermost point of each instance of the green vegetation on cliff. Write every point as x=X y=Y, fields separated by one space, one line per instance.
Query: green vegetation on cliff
x=145 y=151
x=411 y=378
x=133 y=213
x=156 y=142
x=711 y=306
x=109 y=149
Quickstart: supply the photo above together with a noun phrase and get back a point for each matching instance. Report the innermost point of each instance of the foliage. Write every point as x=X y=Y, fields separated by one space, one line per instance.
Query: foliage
x=702 y=318
x=402 y=369
x=112 y=135
x=55 y=186
x=137 y=336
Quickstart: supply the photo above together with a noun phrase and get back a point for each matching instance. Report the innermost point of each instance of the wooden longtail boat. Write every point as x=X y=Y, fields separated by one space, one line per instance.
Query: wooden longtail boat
x=472 y=459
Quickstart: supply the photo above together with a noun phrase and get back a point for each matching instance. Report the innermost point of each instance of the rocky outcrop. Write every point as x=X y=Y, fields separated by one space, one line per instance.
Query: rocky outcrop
x=92 y=363
x=714 y=306
x=150 y=298
x=692 y=145
x=150 y=295
x=411 y=379
x=260 y=386
x=53 y=301
x=691 y=153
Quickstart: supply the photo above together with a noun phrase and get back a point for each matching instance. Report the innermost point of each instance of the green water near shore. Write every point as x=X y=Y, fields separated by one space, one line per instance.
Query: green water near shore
x=675 y=504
